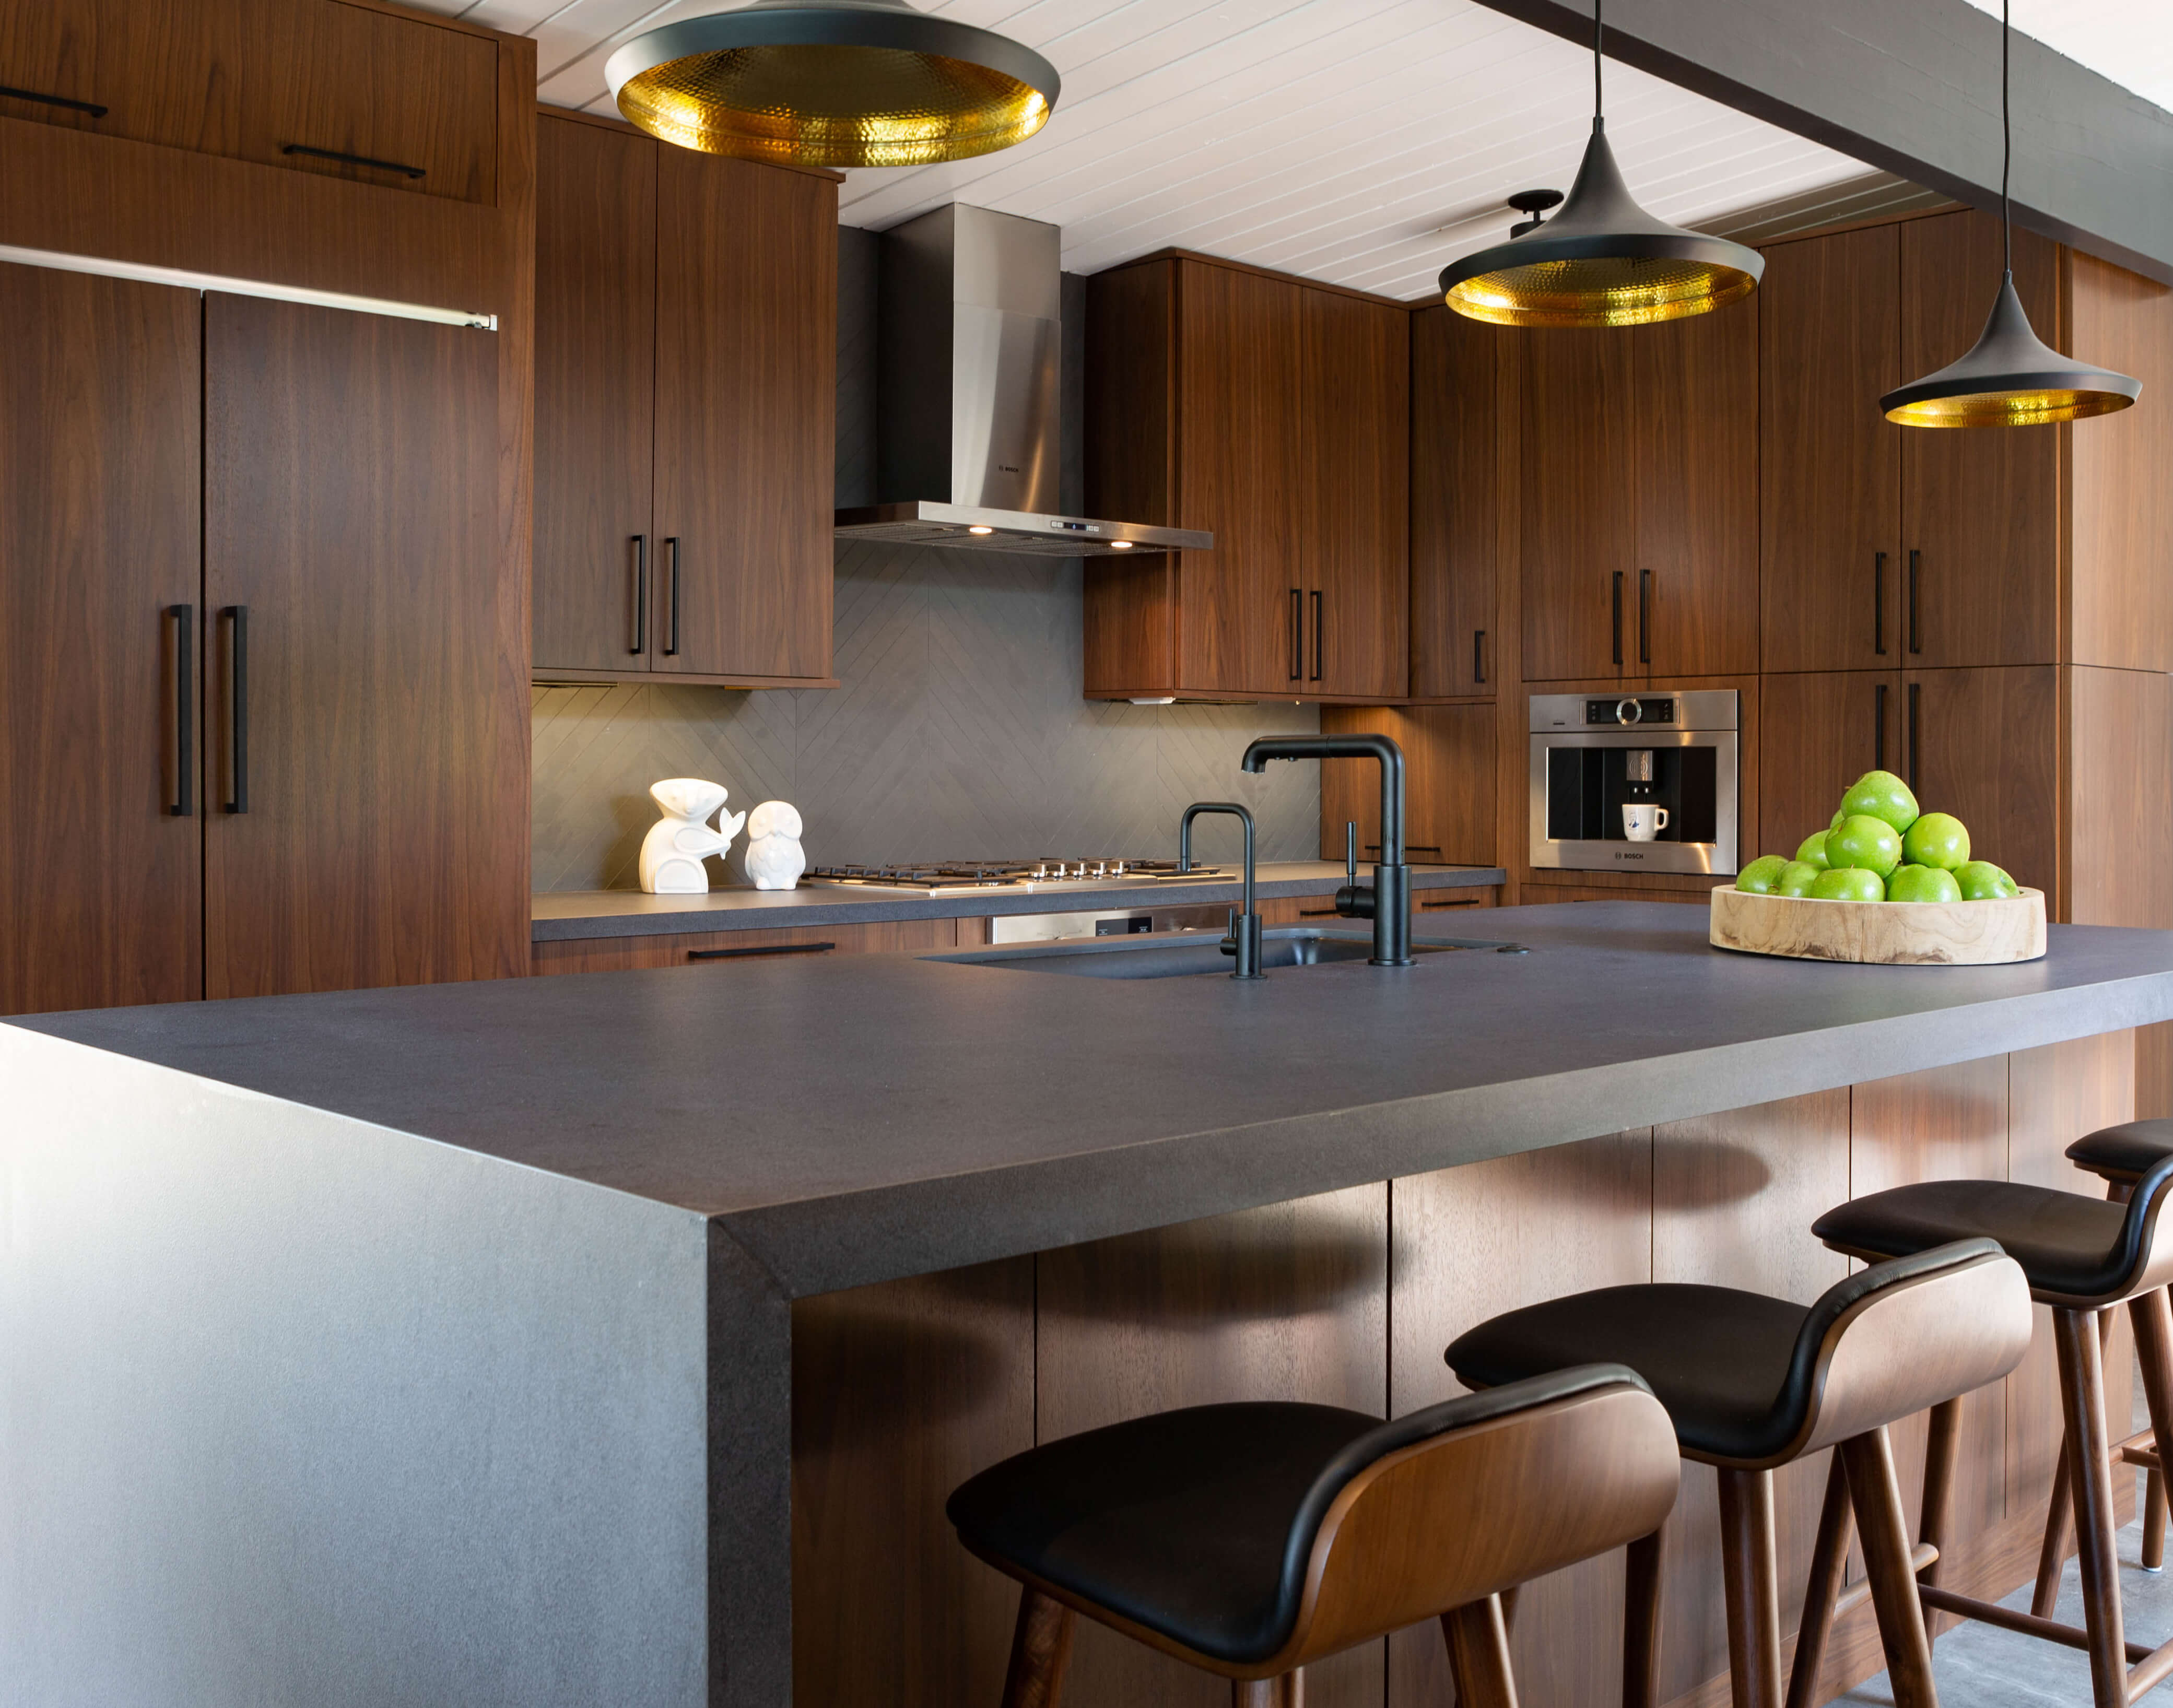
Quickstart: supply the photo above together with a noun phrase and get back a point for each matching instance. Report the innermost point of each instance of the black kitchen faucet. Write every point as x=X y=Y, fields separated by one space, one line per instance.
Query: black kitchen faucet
x=1243 y=940
x=1388 y=904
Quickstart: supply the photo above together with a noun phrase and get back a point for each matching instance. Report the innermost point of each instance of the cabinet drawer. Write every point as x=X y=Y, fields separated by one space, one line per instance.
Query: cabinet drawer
x=703 y=948
x=311 y=85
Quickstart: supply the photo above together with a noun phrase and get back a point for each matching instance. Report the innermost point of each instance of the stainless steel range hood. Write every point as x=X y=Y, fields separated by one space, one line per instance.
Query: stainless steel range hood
x=969 y=421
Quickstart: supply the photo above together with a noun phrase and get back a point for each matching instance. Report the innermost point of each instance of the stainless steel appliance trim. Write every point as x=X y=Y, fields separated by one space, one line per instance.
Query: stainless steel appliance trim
x=1696 y=709
x=926 y=522
x=1050 y=927
x=1717 y=857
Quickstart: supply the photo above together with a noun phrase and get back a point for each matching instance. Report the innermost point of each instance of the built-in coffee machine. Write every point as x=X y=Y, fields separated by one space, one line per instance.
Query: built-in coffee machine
x=1638 y=782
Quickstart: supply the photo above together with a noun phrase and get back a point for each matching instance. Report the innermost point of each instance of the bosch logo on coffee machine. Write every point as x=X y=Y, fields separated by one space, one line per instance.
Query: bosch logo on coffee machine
x=1645 y=781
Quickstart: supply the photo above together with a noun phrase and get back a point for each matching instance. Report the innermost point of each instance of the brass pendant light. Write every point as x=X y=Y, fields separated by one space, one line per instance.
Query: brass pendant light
x=832 y=83
x=1603 y=260
x=2010 y=378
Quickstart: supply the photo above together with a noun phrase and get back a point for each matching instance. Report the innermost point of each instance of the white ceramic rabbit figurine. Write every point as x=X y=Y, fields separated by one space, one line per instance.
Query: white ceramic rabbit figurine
x=672 y=853
x=774 y=856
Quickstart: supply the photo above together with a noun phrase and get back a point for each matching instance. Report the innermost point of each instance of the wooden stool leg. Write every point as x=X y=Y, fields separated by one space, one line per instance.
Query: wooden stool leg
x=2082 y=1399
x=1287 y=1691
x=1752 y=1581
x=2053 y=1553
x=1829 y=1562
x=2153 y=1521
x=1478 y=1637
x=1941 y=1453
x=1040 y=1646
x=1889 y=1564
x=2152 y=1317
x=1640 y=1624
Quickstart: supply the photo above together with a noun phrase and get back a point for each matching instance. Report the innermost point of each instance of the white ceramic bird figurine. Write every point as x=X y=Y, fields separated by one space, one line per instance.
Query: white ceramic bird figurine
x=672 y=853
x=774 y=859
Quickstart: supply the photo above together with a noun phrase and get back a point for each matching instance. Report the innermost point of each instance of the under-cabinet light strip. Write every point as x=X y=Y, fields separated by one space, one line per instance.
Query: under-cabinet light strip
x=145 y=273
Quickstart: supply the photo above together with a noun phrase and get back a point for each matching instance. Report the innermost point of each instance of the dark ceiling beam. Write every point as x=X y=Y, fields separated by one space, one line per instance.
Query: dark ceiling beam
x=1912 y=87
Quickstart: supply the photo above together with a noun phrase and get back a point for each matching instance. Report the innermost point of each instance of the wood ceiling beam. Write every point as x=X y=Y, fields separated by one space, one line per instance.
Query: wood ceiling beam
x=1913 y=89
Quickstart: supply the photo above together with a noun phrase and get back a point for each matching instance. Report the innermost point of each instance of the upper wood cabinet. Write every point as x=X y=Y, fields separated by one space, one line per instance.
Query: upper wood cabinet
x=1457 y=365
x=1277 y=415
x=1640 y=482
x=686 y=399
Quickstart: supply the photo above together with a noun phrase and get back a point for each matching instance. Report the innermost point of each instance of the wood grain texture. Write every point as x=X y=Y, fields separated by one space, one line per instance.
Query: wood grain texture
x=678 y=949
x=1355 y=406
x=1830 y=491
x=1982 y=508
x=1130 y=604
x=1820 y=731
x=1456 y=458
x=1984 y=746
x=1916 y=934
x=595 y=358
x=1448 y=756
x=2120 y=797
x=352 y=487
x=1287 y=1302
x=99 y=537
x=900 y=1393
x=746 y=356
x=1580 y=506
x=1695 y=384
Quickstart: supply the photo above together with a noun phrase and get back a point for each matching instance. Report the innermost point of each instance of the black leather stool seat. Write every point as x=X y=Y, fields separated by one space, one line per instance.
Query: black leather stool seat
x=2126 y=1152
x=2075 y=1246
x=1200 y=1523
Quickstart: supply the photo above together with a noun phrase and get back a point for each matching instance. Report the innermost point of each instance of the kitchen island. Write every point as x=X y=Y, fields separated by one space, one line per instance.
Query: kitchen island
x=546 y=1340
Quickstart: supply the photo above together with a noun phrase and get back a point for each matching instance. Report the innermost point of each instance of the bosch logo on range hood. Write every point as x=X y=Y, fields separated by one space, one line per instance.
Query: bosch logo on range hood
x=970 y=421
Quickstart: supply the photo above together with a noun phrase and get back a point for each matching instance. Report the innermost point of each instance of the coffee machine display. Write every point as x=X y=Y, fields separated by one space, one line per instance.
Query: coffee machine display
x=1643 y=782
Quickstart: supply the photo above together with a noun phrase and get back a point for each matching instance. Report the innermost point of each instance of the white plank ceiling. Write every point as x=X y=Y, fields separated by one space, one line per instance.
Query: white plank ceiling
x=1364 y=143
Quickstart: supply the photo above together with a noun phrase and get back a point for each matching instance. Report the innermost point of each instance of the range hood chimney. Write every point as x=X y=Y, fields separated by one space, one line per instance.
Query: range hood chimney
x=970 y=413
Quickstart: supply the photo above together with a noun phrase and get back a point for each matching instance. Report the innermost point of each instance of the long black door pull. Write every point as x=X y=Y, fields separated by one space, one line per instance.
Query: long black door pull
x=1618 y=617
x=1318 y=625
x=1644 y=616
x=671 y=563
x=183 y=805
x=237 y=689
x=1879 y=728
x=641 y=595
x=1478 y=655
x=1916 y=577
x=1915 y=728
x=1297 y=635
x=1879 y=603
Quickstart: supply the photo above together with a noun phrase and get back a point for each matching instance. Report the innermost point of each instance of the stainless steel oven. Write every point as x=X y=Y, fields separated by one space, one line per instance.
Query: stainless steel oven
x=1671 y=756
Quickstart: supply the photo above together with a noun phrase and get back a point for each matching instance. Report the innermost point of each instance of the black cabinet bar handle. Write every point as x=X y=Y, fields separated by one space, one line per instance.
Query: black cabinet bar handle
x=1644 y=616
x=641 y=595
x=671 y=633
x=1916 y=576
x=1318 y=625
x=238 y=702
x=405 y=171
x=1915 y=689
x=760 y=949
x=1879 y=728
x=185 y=700
x=1478 y=655
x=1618 y=617
x=1297 y=635
x=1879 y=604
x=93 y=108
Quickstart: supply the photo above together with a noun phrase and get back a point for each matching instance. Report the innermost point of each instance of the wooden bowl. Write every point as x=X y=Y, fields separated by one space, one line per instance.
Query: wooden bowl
x=1944 y=933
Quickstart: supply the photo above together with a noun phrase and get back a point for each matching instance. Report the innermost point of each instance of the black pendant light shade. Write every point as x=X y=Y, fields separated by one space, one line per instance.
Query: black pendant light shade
x=832 y=83
x=1602 y=261
x=2010 y=378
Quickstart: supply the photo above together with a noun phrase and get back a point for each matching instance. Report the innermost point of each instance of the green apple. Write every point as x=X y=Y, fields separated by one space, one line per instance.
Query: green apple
x=1797 y=879
x=1980 y=881
x=1848 y=884
x=1881 y=794
x=1835 y=823
x=1813 y=851
x=1762 y=876
x=1922 y=883
x=1864 y=841
x=1937 y=839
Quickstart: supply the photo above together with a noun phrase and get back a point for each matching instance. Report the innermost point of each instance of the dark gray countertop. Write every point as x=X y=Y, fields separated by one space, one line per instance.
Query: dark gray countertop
x=560 y=915
x=848 y=1120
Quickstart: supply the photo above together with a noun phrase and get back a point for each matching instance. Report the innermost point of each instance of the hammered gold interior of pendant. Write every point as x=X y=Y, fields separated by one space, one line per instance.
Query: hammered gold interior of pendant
x=1605 y=291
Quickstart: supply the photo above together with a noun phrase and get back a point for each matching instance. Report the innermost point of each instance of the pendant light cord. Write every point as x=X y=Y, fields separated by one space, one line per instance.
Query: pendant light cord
x=2006 y=141
x=1598 y=106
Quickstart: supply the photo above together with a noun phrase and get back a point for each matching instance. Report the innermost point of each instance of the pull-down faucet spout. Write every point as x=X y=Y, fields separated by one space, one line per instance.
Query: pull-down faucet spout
x=1388 y=904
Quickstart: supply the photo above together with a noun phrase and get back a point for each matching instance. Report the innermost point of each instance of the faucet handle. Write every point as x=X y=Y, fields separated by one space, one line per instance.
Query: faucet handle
x=1351 y=851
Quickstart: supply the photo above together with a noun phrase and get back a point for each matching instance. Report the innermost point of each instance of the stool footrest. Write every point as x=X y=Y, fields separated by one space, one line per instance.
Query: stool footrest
x=2052 y=1631
x=1922 y=1556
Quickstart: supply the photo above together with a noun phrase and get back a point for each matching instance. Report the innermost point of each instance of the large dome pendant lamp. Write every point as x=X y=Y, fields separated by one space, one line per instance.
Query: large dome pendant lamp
x=2010 y=378
x=1603 y=260
x=832 y=83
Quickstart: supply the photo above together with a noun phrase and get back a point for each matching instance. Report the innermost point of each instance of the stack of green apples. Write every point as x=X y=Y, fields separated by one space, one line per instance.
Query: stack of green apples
x=1880 y=848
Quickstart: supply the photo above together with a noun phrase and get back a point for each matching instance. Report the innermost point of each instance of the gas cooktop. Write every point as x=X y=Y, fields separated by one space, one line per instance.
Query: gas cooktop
x=974 y=877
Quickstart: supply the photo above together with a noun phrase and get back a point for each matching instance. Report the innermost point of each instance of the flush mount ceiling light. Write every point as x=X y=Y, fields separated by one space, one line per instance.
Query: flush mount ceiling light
x=841 y=83
x=1603 y=260
x=2010 y=378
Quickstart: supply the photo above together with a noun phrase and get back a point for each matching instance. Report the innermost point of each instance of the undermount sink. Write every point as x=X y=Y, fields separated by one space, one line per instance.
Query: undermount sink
x=1193 y=954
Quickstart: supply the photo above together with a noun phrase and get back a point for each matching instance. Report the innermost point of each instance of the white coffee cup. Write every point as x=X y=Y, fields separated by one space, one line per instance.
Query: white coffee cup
x=1642 y=821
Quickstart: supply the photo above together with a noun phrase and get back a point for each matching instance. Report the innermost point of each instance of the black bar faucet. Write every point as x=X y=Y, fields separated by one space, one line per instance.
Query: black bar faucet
x=1388 y=904
x=1243 y=940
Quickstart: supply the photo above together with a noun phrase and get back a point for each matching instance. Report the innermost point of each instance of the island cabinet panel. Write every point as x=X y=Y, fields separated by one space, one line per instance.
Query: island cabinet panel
x=1456 y=503
x=1821 y=730
x=709 y=948
x=101 y=849
x=1830 y=325
x=1985 y=745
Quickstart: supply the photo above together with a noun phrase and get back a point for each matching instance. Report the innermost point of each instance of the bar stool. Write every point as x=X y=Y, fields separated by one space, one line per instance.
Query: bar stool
x=1251 y=1540
x=2083 y=1256
x=1751 y=1383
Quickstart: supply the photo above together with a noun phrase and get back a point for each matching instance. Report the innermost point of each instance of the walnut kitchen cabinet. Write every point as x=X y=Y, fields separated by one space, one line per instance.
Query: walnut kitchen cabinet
x=1819 y=731
x=1457 y=364
x=686 y=412
x=1274 y=414
x=1984 y=744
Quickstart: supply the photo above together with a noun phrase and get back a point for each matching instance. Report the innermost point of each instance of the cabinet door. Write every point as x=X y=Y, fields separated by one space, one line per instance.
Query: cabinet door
x=1983 y=745
x=100 y=847
x=1241 y=624
x=367 y=822
x=746 y=361
x=1455 y=502
x=1819 y=731
x=595 y=350
x=1830 y=516
x=1980 y=509
x=1695 y=394
x=1579 y=525
x=1355 y=423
